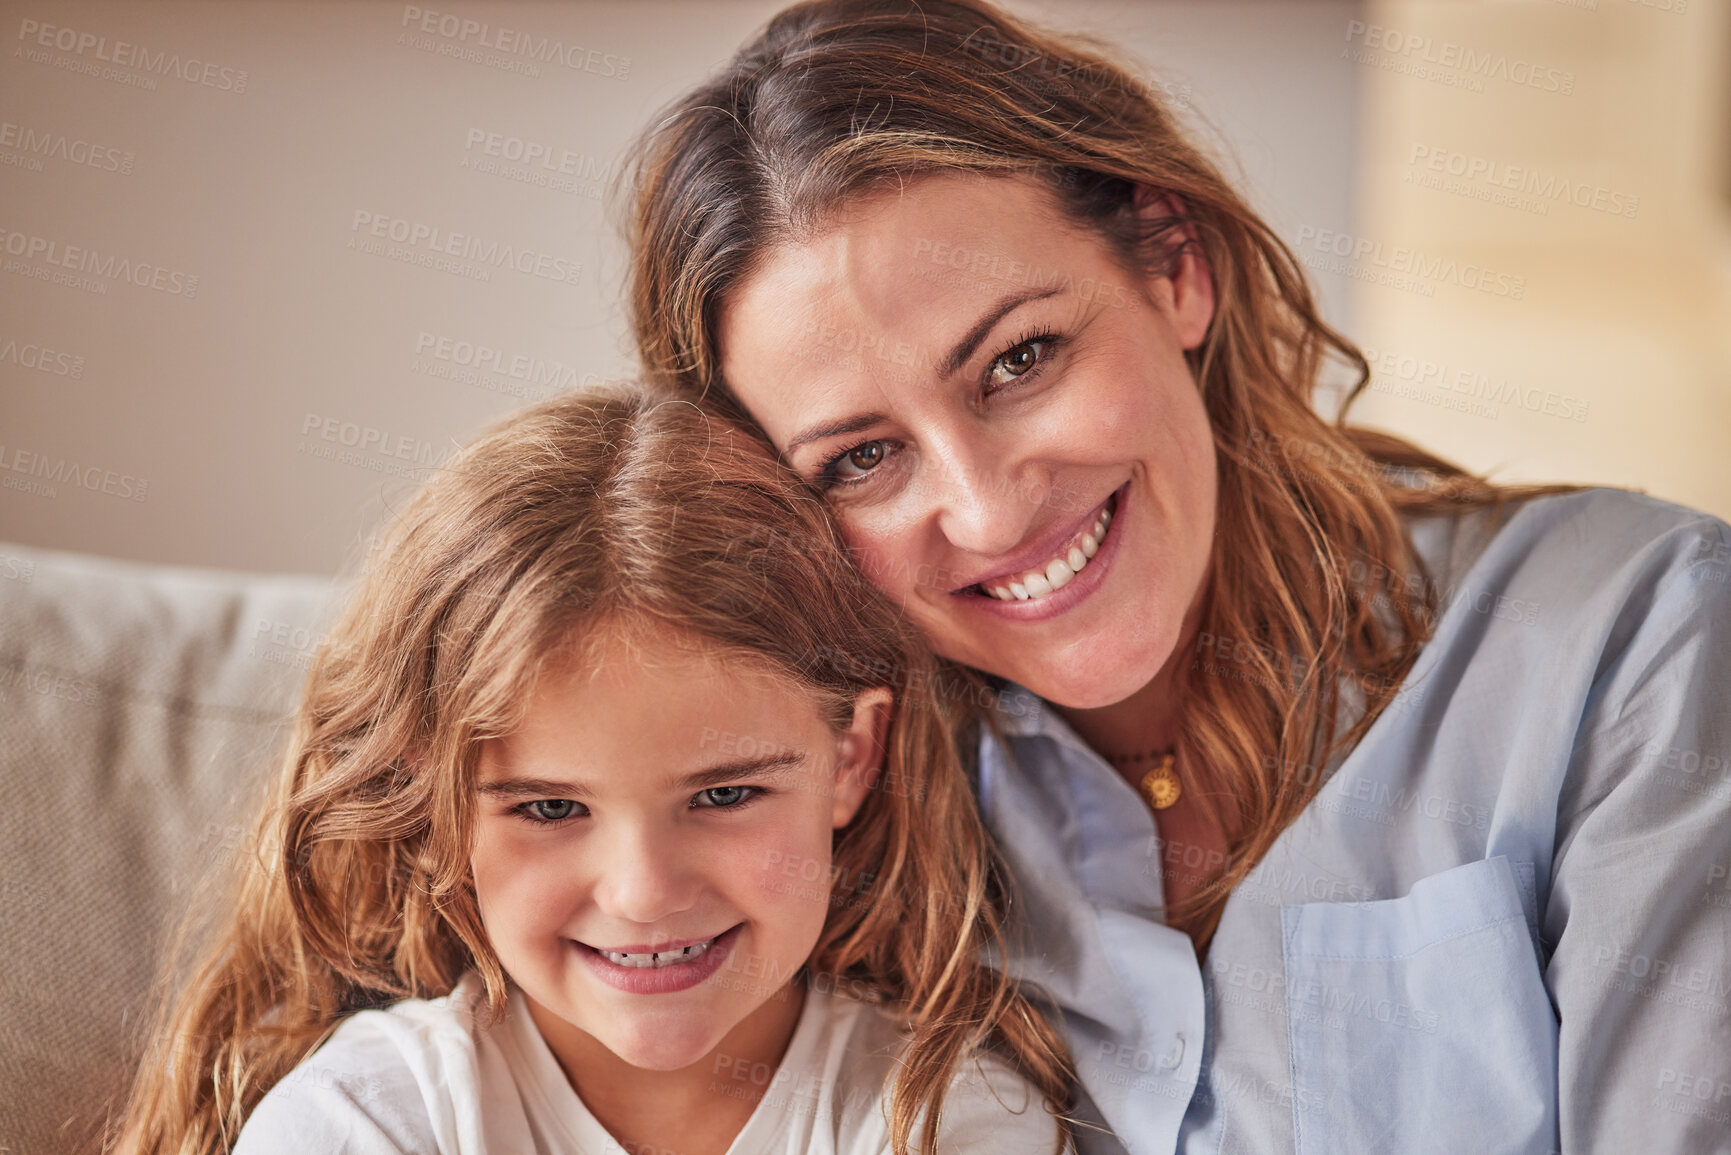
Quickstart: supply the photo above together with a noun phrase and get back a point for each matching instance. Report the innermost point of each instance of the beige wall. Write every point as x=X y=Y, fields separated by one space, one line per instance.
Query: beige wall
x=235 y=159
x=1594 y=193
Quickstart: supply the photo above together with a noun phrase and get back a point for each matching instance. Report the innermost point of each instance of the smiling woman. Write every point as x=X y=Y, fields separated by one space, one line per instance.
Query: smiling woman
x=1054 y=378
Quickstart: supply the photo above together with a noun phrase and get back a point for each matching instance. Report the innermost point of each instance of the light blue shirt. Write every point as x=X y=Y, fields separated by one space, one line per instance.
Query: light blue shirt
x=1504 y=924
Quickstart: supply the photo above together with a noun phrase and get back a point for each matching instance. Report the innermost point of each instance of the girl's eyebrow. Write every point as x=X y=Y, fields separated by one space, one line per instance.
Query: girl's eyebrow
x=531 y=788
x=720 y=774
x=769 y=766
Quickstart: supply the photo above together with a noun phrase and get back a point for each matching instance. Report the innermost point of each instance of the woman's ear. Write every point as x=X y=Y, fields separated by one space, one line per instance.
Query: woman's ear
x=860 y=753
x=1187 y=296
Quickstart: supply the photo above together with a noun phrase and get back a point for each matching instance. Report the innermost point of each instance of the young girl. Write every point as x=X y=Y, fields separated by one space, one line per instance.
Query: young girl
x=600 y=792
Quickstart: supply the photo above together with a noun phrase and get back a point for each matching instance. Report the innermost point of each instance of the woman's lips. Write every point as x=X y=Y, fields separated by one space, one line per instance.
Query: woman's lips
x=1082 y=583
x=1059 y=571
x=636 y=976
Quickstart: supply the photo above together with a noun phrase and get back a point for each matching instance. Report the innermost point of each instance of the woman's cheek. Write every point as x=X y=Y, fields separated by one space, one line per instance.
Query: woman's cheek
x=879 y=546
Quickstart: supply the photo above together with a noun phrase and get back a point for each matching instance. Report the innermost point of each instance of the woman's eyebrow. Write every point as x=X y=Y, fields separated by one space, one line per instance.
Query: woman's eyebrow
x=833 y=429
x=971 y=341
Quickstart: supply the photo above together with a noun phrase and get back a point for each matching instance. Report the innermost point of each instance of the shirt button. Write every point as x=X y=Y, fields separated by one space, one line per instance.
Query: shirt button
x=1175 y=1055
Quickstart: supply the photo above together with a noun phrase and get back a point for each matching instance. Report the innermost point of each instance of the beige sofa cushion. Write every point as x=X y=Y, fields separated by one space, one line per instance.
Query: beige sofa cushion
x=141 y=710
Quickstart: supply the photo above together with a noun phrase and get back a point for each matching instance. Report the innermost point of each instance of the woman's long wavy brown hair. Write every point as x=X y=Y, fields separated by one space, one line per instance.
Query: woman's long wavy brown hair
x=1314 y=584
x=583 y=514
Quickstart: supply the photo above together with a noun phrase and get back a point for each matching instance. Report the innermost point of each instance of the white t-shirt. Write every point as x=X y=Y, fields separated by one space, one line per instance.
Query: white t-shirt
x=421 y=1077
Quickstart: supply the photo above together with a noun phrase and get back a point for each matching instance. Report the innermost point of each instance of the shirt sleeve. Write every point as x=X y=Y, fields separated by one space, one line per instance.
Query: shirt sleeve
x=1639 y=915
x=992 y=1110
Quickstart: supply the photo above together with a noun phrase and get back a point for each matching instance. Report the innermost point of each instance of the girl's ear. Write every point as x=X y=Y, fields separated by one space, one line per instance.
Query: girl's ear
x=860 y=753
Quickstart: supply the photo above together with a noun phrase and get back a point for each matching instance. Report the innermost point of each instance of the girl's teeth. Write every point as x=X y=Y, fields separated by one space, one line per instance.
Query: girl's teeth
x=666 y=958
x=1059 y=571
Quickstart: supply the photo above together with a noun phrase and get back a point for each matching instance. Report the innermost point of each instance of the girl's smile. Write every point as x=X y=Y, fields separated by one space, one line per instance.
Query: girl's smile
x=653 y=970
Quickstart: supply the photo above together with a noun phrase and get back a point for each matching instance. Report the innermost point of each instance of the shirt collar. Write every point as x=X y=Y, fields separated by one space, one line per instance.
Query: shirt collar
x=1023 y=713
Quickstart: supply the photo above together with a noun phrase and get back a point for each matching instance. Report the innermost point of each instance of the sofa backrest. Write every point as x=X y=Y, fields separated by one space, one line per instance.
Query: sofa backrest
x=142 y=710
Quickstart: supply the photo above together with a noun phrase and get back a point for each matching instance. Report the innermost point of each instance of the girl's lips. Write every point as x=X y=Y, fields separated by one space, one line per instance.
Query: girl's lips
x=639 y=980
x=1085 y=582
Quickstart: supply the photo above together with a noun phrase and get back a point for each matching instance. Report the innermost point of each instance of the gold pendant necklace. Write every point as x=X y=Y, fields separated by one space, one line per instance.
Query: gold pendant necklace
x=1159 y=783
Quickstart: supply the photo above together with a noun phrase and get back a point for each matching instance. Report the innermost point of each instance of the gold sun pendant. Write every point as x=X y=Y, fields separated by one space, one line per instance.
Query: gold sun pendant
x=1160 y=785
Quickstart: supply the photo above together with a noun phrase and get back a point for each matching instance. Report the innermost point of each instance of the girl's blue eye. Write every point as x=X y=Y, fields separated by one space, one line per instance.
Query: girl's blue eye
x=552 y=809
x=722 y=797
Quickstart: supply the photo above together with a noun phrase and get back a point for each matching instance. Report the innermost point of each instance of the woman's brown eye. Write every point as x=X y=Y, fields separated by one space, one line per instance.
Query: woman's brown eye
x=1017 y=361
x=867 y=456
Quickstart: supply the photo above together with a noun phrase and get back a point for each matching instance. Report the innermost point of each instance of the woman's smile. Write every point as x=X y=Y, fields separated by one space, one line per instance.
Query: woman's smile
x=1076 y=569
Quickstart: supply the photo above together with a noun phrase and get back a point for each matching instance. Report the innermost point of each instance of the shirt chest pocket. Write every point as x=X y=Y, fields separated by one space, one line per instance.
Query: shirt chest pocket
x=1421 y=1024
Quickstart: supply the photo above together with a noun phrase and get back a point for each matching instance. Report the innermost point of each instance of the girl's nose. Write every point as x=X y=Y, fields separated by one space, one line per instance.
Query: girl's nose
x=644 y=878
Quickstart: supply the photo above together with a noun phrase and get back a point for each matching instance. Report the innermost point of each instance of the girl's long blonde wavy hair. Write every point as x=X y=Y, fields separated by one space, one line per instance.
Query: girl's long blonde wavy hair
x=581 y=514
x=1314 y=584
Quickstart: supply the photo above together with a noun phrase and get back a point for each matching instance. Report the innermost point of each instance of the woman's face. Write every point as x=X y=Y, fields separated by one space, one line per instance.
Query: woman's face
x=1003 y=420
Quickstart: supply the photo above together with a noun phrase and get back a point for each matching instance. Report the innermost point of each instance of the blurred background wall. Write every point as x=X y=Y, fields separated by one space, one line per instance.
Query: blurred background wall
x=264 y=264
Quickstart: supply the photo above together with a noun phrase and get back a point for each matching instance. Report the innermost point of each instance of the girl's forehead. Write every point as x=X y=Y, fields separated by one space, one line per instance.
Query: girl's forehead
x=627 y=668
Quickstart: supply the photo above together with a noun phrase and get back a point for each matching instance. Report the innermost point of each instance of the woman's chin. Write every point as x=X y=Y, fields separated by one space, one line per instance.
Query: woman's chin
x=1086 y=687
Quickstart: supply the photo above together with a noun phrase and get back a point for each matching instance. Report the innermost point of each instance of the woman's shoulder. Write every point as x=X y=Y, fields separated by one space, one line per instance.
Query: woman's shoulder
x=1599 y=533
x=988 y=1106
x=368 y=1087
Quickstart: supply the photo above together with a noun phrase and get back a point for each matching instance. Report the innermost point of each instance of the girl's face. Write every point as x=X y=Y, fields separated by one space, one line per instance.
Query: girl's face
x=652 y=848
x=1004 y=422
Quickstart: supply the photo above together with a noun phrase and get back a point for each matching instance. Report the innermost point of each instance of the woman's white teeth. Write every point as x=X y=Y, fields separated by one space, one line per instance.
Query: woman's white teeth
x=1059 y=571
x=665 y=958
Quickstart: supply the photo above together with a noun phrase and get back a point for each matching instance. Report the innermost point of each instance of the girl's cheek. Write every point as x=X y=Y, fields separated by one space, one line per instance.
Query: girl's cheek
x=791 y=863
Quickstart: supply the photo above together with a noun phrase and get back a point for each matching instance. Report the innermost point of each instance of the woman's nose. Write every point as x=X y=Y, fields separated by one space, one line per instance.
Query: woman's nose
x=985 y=501
x=643 y=877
